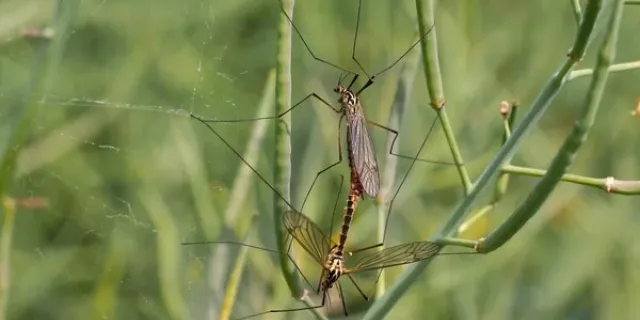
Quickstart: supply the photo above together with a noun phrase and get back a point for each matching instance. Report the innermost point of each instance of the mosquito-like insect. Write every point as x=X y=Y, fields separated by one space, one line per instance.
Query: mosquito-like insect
x=331 y=256
x=361 y=156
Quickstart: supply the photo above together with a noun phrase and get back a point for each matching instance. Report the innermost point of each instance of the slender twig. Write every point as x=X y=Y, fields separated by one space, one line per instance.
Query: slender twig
x=282 y=166
x=400 y=104
x=19 y=120
x=429 y=46
x=577 y=11
x=508 y=112
x=613 y=68
x=565 y=156
x=448 y=241
x=233 y=283
x=6 y=236
x=168 y=250
x=383 y=305
x=241 y=187
x=609 y=184
x=243 y=178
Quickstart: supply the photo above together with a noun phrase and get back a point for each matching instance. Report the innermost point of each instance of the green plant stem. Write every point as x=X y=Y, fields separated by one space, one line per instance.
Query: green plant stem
x=383 y=305
x=429 y=46
x=449 y=241
x=625 y=187
x=242 y=182
x=233 y=283
x=502 y=182
x=238 y=195
x=577 y=11
x=168 y=249
x=6 y=236
x=632 y=2
x=282 y=168
x=17 y=122
x=565 y=156
x=613 y=68
x=401 y=102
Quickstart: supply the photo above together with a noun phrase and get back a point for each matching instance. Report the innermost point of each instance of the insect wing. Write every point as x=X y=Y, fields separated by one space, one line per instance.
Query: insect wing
x=397 y=255
x=363 y=157
x=308 y=234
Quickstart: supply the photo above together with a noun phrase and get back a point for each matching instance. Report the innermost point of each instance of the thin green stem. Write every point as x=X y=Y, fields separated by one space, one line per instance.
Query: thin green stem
x=448 y=241
x=400 y=105
x=17 y=122
x=383 y=305
x=613 y=68
x=502 y=182
x=241 y=187
x=609 y=184
x=282 y=168
x=565 y=156
x=577 y=11
x=429 y=46
x=6 y=236
x=242 y=182
x=233 y=283
x=168 y=249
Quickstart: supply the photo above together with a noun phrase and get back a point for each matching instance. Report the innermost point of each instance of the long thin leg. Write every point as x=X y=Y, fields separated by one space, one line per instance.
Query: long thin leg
x=358 y=287
x=395 y=137
x=307 y=45
x=331 y=165
x=335 y=205
x=387 y=68
x=324 y=296
x=355 y=40
x=351 y=252
x=314 y=95
x=344 y=303
x=306 y=280
x=404 y=54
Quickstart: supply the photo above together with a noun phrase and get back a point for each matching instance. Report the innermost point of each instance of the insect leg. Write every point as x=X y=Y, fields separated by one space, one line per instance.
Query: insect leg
x=330 y=166
x=307 y=45
x=314 y=95
x=366 y=298
x=344 y=303
x=395 y=137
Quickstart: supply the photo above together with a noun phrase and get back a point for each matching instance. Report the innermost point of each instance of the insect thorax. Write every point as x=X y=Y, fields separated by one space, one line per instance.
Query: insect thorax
x=334 y=266
x=347 y=99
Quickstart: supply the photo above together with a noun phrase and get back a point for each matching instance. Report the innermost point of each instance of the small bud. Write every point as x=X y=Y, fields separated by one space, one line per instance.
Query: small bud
x=505 y=107
x=37 y=33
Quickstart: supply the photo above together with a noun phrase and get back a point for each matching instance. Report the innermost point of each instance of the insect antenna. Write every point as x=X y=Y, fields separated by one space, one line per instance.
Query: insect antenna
x=306 y=45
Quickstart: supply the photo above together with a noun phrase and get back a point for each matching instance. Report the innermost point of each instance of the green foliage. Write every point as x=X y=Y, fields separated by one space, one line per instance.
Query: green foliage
x=127 y=175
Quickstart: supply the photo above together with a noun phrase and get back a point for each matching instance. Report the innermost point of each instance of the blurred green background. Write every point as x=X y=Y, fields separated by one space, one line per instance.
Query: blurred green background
x=127 y=177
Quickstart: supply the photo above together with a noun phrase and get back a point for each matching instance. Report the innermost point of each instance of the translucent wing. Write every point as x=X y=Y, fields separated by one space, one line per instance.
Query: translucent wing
x=394 y=256
x=362 y=155
x=308 y=234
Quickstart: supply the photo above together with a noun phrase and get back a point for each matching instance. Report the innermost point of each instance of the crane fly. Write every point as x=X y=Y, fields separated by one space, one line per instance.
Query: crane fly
x=361 y=155
x=332 y=259
x=331 y=256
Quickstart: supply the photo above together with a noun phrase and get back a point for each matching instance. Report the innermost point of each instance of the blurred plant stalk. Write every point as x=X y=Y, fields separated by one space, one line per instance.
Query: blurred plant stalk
x=563 y=159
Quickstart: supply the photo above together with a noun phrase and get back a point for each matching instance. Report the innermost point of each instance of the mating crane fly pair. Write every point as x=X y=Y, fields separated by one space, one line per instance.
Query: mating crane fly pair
x=364 y=180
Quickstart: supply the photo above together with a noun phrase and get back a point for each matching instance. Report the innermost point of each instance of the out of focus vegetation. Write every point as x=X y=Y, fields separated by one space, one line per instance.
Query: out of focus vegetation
x=114 y=176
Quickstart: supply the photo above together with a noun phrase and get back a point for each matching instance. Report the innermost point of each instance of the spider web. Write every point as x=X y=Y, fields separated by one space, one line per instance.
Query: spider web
x=111 y=145
x=113 y=156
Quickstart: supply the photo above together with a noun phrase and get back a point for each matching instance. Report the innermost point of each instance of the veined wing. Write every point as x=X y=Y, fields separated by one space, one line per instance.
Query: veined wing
x=397 y=255
x=308 y=234
x=362 y=154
